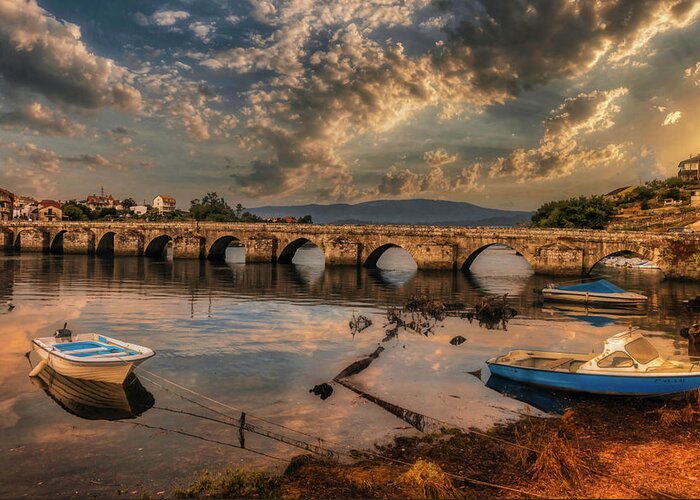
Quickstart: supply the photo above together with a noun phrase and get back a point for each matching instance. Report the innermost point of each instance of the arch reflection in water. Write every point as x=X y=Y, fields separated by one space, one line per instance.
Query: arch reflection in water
x=498 y=269
x=394 y=267
x=96 y=400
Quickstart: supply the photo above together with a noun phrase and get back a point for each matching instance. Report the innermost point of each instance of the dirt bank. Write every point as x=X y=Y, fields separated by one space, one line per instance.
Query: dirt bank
x=617 y=448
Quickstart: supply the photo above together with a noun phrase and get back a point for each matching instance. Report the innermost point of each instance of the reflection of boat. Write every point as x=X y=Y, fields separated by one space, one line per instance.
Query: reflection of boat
x=96 y=400
x=629 y=365
x=89 y=356
x=596 y=316
x=542 y=399
x=594 y=292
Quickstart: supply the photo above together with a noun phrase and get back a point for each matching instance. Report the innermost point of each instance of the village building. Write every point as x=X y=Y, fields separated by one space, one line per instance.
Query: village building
x=24 y=207
x=7 y=201
x=49 y=211
x=98 y=202
x=164 y=204
x=689 y=170
x=139 y=210
x=618 y=193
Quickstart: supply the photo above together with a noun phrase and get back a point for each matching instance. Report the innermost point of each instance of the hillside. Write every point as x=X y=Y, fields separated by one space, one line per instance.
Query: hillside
x=424 y=212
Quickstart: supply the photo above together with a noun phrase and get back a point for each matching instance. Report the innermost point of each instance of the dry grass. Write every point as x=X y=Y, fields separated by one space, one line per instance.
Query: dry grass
x=427 y=480
x=619 y=449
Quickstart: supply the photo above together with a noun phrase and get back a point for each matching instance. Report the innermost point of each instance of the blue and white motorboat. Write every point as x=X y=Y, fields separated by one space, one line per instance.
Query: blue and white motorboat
x=593 y=292
x=628 y=366
x=89 y=356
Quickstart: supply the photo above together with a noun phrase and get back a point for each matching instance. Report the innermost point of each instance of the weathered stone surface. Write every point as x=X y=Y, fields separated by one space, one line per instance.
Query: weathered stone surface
x=554 y=251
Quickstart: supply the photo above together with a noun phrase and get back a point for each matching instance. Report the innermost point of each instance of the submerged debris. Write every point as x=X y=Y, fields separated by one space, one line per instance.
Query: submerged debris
x=492 y=313
x=324 y=390
x=359 y=323
x=458 y=340
x=359 y=365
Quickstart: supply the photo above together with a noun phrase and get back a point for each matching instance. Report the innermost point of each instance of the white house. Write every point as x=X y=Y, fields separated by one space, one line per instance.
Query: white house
x=164 y=203
x=139 y=210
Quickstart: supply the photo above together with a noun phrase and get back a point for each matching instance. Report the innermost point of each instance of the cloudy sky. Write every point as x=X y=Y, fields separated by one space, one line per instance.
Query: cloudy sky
x=505 y=104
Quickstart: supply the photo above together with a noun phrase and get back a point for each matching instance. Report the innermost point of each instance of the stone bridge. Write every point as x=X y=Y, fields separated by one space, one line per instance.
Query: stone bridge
x=548 y=251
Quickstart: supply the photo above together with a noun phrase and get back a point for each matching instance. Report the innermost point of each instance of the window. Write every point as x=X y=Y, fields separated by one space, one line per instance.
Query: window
x=618 y=359
x=642 y=350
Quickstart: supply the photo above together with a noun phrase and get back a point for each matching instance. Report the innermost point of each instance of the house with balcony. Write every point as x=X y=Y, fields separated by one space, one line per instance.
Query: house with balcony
x=49 y=211
x=164 y=204
x=689 y=170
x=7 y=201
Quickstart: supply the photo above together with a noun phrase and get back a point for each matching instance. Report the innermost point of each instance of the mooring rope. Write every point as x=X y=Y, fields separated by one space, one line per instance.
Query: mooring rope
x=459 y=477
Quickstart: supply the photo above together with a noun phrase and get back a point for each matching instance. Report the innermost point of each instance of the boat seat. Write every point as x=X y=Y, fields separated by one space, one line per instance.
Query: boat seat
x=556 y=363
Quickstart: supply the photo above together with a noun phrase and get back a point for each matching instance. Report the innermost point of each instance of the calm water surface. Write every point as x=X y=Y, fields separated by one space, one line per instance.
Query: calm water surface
x=257 y=337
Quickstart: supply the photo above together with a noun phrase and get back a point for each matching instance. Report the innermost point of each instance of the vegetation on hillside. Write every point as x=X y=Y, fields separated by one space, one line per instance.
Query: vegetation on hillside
x=584 y=212
x=595 y=212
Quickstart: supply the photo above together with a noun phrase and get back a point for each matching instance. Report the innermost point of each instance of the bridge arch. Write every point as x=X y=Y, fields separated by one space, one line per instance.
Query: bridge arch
x=375 y=255
x=56 y=246
x=105 y=247
x=32 y=240
x=474 y=254
x=217 y=250
x=289 y=251
x=7 y=238
x=157 y=247
x=620 y=250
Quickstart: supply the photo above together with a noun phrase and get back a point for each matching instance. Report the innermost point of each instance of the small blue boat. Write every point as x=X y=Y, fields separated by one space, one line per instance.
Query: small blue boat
x=628 y=366
x=600 y=292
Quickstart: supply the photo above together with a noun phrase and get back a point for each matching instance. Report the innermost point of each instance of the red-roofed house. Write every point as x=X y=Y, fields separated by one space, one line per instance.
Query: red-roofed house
x=50 y=211
x=164 y=203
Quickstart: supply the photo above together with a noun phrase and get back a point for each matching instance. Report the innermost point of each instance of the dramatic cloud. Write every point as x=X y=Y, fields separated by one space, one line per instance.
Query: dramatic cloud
x=40 y=119
x=672 y=117
x=333 y=82
x=45 y=159
x=47 y=56
x=202 y=30
x=407 y=183
x=693 y=73
x=93 y=162
x=439 y=157
x=560 y=151
x=169 y=17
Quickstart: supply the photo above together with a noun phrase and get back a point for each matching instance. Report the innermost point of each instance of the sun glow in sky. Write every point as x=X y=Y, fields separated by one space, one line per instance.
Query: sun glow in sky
x=504 y=104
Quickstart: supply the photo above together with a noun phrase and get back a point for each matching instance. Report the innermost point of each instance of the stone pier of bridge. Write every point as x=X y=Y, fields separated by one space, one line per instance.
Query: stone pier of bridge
x=547 y=251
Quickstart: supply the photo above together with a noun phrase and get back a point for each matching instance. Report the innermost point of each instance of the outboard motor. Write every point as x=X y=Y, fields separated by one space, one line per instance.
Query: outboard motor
x=63 y=334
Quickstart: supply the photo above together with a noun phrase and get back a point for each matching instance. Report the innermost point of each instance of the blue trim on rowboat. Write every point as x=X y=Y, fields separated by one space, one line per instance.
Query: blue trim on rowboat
x=628 y=385
x=70 y=347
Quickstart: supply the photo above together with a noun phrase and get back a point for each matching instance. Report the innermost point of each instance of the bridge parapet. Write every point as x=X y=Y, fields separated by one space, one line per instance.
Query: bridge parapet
x=552 y=251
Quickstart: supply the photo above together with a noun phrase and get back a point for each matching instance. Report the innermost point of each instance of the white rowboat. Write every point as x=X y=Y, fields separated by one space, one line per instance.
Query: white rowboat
x=89 y=356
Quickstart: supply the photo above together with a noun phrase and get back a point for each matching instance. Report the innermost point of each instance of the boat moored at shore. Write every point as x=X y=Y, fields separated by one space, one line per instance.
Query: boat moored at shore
x=629 y=365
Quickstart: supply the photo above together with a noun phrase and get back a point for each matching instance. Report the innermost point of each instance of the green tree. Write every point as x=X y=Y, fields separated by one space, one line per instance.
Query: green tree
x=128 y=203
x=75 y=212
x=305 y=220
x=213 y=208
x=583 y=213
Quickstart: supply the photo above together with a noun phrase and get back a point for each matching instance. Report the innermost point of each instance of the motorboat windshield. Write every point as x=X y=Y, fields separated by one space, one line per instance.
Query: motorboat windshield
x=642 y=350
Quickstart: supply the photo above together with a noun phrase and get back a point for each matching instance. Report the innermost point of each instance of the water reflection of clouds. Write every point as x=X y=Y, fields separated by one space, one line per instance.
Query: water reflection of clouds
x=258 y=336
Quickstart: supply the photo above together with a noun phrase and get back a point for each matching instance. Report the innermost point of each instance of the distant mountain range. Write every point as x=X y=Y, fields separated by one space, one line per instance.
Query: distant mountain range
x=424 y=212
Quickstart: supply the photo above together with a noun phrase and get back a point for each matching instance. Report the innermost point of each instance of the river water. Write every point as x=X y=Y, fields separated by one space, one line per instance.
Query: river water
x=256 y=338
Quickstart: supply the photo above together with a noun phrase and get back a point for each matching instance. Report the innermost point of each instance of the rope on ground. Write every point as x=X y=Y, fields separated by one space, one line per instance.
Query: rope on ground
x=317 y=449
x=202 y=438
x=375 y=455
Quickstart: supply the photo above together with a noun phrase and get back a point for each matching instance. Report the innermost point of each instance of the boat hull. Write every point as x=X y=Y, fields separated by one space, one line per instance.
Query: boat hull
x=113 y=372
x=592 y=298
x=621 y=385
